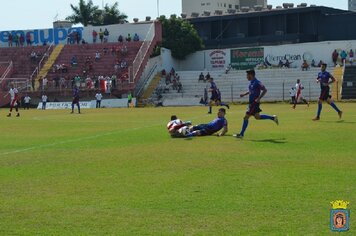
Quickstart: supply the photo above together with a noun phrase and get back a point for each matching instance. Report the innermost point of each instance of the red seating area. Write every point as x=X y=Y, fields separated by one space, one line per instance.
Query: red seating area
x=23 y=66
x=102 y=67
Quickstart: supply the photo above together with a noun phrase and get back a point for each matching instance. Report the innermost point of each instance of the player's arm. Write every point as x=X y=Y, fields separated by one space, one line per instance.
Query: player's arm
x=332 y=79
x=264 y=91
x=223 y=132
x=244 y=94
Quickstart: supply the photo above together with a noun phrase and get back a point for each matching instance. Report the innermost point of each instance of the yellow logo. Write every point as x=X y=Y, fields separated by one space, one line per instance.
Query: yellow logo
x=339 y=204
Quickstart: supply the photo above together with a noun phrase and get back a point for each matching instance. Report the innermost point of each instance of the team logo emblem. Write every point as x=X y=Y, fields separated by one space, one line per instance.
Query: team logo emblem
x=339 y=216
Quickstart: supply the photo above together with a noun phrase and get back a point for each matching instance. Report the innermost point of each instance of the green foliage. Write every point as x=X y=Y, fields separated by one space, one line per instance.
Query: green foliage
x=180 y=37
x=88 y=13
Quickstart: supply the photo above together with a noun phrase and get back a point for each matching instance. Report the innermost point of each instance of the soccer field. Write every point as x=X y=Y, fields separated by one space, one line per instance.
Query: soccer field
x=117 y=172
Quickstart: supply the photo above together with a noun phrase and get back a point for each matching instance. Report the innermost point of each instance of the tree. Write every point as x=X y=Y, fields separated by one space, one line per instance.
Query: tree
x=83 y=13
x=88 y=13
x=112 y=15
x=180 y=37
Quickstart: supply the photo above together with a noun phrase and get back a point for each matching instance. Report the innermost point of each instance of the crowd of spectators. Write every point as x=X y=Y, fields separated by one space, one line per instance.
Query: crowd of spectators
x=343 y=56
x=104 y=37
x=171 y=82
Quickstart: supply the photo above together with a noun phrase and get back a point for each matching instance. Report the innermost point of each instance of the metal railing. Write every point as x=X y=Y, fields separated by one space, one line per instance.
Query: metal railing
x=8 y=70
x=36 y=71
x=140 y=57
x=141 y=85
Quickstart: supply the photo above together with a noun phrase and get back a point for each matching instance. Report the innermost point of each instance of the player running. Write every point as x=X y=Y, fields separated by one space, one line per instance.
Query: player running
x=75 y=99
x=325 y=79
x=213 y=127
x=299 y=96
x=256 y=92
x=176 y=127
x=215 y=98
x=14 y=103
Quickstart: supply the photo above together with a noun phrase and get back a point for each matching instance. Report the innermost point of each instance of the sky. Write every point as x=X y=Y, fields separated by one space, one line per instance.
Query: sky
x=39 y=14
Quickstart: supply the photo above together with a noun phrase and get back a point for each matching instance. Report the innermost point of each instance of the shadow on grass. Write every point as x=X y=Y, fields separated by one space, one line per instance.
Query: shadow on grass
x=340 y=122
x=274 y=141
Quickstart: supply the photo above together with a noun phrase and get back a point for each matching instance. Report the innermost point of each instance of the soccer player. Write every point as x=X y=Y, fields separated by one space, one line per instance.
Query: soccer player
x=98 y=98
x=213 y=127
x=176 y=127
x=14 y=103
x=256 y=92
x=215 y=98
x=75 y=99
x=299 y=97
x=325 y=79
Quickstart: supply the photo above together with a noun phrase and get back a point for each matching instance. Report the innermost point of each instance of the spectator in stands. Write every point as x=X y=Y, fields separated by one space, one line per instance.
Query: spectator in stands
x=280 y=64
x=228 y=68
x=105 y=50
x=287 y=64
x=207 y=77
x=101 y=35
x=44 y=100
x=33 y=56
x=201 y=77
x=313 y=63
x=56 y=81
x=106 y=35
x=334 y=57
x=168 y=79
x=15 y=39
x=174 y=84
x=83 y=41
x=136 y=38
x=180 y=87
x=120 y=39
x=22 y=40
x=77 y=81
x=343 y=56
x=128 y=38
x=305 y=65
x=351 y=57
x=28 y=39
x=320 y=63
x=117 y=67
x=113 y=80
x=123 y=64
x=95 y=36
x=173 y=71
x=74 y=61
x=163 y=73
x=124 y=50
x=97 y=56
x=9 y=40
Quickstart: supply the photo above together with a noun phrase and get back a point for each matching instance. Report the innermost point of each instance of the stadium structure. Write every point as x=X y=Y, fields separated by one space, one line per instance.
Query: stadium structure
x=245 y=38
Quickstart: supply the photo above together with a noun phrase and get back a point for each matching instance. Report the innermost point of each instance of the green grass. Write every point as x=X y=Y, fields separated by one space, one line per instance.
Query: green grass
x=117 y=172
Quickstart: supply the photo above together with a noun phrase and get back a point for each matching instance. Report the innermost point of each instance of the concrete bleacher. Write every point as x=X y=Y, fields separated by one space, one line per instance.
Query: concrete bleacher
x=23 y=66
x=104 y=66
x=277 y=81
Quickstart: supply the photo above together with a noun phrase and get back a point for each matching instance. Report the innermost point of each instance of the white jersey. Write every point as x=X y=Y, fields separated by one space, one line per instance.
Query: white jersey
x=171 y=126
x=27 y=99
x=13 y=93
x=98 y=96
x=299 y=88
x=44 y=98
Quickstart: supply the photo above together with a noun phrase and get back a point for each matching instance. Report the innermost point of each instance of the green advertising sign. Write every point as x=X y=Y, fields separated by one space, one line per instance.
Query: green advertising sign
x=246 y=58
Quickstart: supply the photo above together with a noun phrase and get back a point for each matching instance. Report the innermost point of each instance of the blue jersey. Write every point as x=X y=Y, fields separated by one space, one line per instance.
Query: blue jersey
x=76 y=93
x=217 y=124
x=213 y=86
x=254 y=89
x=324 y=78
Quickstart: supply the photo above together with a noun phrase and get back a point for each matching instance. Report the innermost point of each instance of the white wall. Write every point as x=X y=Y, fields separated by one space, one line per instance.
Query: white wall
x=204 y=60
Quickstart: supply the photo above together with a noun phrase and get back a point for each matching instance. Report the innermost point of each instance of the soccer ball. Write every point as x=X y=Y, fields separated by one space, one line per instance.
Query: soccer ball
x=184 y=130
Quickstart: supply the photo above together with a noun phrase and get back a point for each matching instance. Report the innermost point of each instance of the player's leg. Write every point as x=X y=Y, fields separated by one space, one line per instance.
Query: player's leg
x=211 y=103
x=244 y=126
x=73 y=107
x=17 y=109
x=333 y=105
x=320 y=107
x=224 y=104
x=78 y=105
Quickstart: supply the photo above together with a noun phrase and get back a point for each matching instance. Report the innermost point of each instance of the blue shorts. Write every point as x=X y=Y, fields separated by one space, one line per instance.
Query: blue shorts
x=253 y=109
x=204 y=129
x=325 y=93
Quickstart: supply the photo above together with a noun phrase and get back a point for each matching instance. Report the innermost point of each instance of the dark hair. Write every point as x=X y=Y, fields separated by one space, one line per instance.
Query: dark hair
x=222 y=110
x=324 y=64
x=252 y=72
x=173 y=117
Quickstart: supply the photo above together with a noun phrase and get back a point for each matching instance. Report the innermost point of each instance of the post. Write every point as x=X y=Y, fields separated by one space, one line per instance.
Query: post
x=232 y=92
x=283 y=90
x=309 y=93
x=158 y=8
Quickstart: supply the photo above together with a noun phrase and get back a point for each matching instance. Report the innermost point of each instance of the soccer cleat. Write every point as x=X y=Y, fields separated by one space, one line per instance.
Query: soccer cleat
x=340 y=114
x=209 y=112
x=9 y=115
x=275 y=119
x=227 y=105
x=316 y=119
x=238 y=136
x=72 y=112
x=18 y=115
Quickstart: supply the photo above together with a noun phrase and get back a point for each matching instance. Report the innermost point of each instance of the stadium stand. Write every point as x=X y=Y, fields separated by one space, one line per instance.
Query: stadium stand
x=277 y=81
x=349 y=83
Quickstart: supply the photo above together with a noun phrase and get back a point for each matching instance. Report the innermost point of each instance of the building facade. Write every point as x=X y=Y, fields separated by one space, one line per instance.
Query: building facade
x=199 y=6
x=352 y=5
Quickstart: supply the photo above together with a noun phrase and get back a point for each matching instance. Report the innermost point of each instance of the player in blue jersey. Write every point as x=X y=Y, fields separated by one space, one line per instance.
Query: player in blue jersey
x=215 y=98
x=256 y=92
x=75 y=99
x=213 y=127
x=325 y=79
